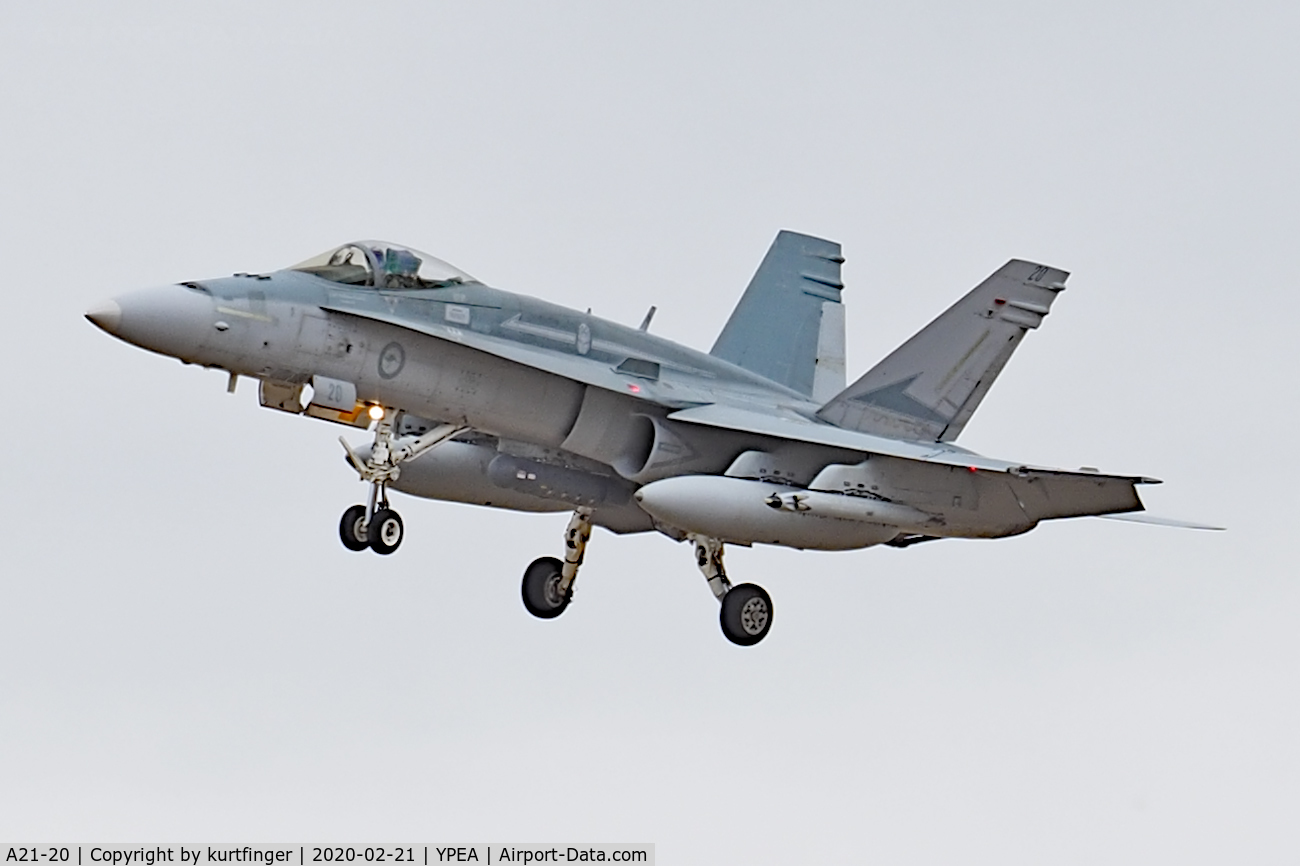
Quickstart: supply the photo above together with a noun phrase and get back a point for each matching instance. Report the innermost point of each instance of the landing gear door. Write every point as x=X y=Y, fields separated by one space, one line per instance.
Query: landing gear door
x=336 y=400
x=287 y=397
x=284 y=396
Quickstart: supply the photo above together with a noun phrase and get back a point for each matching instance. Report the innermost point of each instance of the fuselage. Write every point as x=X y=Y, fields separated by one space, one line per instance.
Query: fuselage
x=290 y=327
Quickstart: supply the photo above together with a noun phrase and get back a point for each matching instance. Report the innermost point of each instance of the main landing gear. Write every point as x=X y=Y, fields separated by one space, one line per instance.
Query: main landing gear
x=547 y=589
x=375 y=525
x=746 y=615
x=548 y=583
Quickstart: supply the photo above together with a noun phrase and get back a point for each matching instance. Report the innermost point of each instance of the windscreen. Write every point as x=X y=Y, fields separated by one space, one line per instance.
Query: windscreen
x=383 y=265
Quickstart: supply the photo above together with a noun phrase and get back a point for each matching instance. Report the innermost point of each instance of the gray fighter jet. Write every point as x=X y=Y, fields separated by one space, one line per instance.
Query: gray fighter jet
x=478 y=395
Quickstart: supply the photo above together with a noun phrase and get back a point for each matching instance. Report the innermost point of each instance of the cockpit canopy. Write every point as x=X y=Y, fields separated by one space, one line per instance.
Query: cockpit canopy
x=383 y=265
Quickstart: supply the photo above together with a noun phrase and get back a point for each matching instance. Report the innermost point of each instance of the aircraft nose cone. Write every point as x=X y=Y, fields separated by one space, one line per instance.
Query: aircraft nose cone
x=106 y=315
x=170 y=320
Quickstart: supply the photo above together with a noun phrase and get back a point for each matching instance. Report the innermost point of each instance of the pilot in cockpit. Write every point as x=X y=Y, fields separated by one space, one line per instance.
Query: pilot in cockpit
x=400 y=267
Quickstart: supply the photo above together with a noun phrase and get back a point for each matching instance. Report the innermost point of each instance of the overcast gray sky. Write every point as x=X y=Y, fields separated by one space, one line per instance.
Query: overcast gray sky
x=188 y=652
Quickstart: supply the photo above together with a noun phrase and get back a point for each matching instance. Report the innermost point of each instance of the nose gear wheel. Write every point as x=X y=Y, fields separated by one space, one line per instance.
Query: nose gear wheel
x=385 y=531
x=352 y=528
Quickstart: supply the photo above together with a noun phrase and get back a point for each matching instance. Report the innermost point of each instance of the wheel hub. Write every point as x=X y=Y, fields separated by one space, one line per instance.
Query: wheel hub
x=554 y=597
x=753 y=616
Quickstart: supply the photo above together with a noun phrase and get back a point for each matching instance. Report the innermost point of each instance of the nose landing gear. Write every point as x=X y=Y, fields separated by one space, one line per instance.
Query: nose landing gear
x=375 y=525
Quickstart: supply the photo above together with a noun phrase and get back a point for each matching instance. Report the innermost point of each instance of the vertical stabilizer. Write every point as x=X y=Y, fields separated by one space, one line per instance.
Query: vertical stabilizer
x=789 y=325
x=929 y=387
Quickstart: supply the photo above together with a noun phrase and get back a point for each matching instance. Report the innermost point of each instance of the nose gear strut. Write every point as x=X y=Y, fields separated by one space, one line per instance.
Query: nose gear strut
x=375 y=524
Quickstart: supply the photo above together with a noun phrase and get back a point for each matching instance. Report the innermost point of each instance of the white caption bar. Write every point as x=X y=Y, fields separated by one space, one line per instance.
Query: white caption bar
x=422 y=854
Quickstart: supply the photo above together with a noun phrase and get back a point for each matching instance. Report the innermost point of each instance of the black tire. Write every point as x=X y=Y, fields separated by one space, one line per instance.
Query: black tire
x=746 y=614
x=541 y=588
x=386 y=531
x=349 y=526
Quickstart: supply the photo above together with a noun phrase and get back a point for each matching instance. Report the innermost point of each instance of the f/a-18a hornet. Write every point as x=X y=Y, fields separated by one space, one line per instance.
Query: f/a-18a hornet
x=478 y=395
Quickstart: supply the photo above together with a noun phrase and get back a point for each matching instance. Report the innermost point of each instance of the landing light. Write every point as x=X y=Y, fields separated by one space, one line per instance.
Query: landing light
x=376 y=413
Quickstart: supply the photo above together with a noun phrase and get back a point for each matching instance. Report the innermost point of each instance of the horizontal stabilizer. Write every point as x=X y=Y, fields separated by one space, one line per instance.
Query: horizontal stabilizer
x=789 y=326
x=929 y=387
x=1153 y=520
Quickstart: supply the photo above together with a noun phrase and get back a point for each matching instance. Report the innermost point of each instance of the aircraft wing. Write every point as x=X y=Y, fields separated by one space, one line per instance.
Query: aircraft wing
x=790 y=425
x=1040 y=492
